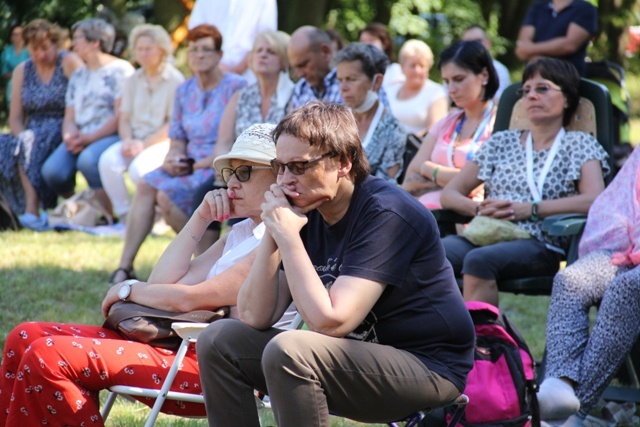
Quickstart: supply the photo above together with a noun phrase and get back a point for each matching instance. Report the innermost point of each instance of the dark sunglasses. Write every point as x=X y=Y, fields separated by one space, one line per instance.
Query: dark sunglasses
x=540 y=90
x=297 y=168
x=242 y=173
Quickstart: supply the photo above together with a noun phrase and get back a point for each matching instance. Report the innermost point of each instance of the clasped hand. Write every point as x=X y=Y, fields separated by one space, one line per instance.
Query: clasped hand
x=504 y=209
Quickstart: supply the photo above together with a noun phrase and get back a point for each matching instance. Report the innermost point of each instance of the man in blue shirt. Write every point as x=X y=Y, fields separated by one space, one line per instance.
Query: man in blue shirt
x=558 y=28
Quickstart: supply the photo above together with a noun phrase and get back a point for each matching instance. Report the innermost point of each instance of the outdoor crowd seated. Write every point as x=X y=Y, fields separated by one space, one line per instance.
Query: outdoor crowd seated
x=198 y=108
x=579 y=364
x=88 y=359
x=378 y=347
x=145 y=111
x=417 y=102
x=92 y=107
x=527 y=176
x=468 y=73
x=35 y=120
x=360 y=70
x=376 y=34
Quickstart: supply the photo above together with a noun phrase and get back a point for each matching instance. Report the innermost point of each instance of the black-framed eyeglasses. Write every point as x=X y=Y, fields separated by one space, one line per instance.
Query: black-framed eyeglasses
x=540 y=90
x=299 y=167
x=242 y=173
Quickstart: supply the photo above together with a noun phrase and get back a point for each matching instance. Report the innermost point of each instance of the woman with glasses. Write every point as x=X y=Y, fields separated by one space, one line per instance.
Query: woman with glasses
x=193 y=130
x=360 y=69
x=90 y=122
x=528 y=175
x=88 y=359
x=143 y=126
x=471 y=80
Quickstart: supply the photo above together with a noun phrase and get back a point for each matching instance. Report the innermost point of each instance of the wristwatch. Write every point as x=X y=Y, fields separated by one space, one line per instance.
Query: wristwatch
x=125 y=289
x=534 y=212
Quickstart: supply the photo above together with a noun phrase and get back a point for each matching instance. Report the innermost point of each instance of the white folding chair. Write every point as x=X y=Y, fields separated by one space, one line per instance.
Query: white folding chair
x=189 y=333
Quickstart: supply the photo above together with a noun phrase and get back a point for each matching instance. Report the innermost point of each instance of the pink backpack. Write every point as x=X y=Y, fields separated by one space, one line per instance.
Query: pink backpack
x=501 y=385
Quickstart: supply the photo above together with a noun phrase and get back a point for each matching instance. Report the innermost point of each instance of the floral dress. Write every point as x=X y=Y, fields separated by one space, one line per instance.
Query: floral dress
x=195 y=120
x=44 y=105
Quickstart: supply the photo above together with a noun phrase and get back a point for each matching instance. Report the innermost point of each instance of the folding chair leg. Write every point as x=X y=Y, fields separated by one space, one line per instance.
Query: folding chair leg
x=108 y=405
x=458 y=413
x=166 y=385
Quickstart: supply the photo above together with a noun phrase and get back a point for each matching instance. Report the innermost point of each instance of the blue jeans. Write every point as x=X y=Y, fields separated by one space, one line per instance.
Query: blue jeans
x=59 y=170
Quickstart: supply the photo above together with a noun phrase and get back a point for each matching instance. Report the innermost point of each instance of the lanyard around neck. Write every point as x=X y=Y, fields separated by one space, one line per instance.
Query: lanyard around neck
x=536 y=190
x=476 y=135
x=373 y=125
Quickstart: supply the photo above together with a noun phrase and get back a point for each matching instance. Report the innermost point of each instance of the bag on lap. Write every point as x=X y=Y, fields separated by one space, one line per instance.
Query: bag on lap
x=501 y=385
x=153 y=326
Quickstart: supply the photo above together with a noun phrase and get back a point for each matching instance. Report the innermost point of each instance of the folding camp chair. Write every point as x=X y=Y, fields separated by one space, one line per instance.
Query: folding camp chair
x=189 y=333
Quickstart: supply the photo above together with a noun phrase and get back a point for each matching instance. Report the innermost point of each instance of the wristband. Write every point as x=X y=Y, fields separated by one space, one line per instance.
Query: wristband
x=434 y=175
x=534 y=212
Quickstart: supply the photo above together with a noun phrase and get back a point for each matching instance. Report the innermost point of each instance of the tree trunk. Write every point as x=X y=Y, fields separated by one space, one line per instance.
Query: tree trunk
x=296 y=13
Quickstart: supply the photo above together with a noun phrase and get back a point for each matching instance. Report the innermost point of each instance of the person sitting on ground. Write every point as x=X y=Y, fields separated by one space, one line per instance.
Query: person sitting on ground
x=528 y=175
x=471 y=80
x=560 y=29
x=376 y=34
x=143 y=126
x=198 y=107
x=14 y=53
x=261 y=102
x=417 y=102
x=35 y=120
x=91 y=358
x=360 y=70
x=477 y=33
x=92 y=109
x=389 y=332
x=579 y=364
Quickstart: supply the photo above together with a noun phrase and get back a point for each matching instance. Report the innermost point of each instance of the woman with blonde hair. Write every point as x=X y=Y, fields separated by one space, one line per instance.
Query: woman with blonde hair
x=417 y=102
x=145 y=111
x=35 y=121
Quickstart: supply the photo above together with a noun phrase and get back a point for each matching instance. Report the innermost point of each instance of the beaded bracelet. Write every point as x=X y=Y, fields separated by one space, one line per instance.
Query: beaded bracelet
x=193 y=236
x=434 y=175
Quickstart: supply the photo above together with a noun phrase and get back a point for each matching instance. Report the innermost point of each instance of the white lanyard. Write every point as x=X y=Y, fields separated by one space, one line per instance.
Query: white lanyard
x=536 y=191
x=474 y=140
x=373 y=125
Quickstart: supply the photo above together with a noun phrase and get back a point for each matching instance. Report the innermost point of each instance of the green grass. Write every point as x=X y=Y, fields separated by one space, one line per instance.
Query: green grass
x=53 y=276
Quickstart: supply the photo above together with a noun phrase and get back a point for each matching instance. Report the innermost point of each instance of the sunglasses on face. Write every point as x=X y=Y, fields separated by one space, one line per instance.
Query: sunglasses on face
x=297 y=168
x=242 y=173
x=540 y=90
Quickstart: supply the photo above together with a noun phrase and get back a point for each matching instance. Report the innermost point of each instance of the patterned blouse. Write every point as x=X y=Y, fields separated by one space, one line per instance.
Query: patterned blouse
x=502 y=166
x=386 y=147
x=93 y=93
x=248 y=111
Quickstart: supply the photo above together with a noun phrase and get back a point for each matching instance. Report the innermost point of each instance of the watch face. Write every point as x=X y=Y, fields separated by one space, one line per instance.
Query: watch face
x=124 y=291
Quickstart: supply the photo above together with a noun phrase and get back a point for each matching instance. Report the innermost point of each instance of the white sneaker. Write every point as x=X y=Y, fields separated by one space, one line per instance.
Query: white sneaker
x=32 y=222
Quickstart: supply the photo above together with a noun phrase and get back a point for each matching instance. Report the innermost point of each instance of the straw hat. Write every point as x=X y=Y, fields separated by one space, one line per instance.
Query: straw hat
x=255 y=144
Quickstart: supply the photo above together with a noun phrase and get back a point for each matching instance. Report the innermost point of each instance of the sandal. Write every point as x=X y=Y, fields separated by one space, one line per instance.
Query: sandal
x=128 y=273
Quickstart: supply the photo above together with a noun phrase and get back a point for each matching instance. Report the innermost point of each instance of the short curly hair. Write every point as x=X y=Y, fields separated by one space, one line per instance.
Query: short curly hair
x=39 y=30
x=203 y=31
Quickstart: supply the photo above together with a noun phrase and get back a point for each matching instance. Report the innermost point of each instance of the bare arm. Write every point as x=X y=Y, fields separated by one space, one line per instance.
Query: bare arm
x=455 y=194
x=560 y=46
x=70 y=63
x=414 y=182
x=335 y=312
x=264 y=296
x=591 y=184
x=16 y=111
x=226 y=131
